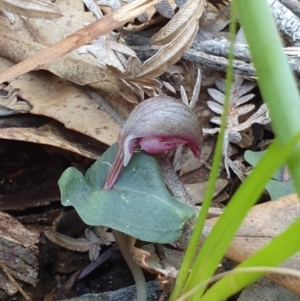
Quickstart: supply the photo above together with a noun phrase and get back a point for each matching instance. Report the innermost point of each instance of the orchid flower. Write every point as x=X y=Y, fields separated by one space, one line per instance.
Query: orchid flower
x=157 y=124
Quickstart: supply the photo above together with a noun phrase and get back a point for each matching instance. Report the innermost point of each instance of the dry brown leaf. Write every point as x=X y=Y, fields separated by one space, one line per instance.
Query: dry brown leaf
x=31 y=8
x=48 y=32
x=264 y=222
x=108 y=52
x=79 y=38
x=171 y=52
x=267 y=291
x=10 y=104
x=74 y=18
x=188 y=161
x=147 y=258
x=197 y=190
x=190 y=10
x=53 y=134
x=131 y=78
x=67 y=104
x=72 y=67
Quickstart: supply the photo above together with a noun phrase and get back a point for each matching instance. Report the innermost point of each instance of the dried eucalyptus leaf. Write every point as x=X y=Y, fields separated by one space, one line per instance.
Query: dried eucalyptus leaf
x=191 y=9
x=171 y=52
x=11 y=103
x=31 y=8
x=107 y=52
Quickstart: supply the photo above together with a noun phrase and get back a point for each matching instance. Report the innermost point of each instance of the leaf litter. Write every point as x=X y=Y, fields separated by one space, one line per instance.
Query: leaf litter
x=95 y=82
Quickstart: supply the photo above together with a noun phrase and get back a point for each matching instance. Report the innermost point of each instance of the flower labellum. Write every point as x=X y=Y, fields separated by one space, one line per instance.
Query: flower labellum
x=157 y=124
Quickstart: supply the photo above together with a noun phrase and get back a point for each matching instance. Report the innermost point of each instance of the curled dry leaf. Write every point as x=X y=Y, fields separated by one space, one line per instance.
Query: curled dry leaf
x=190 y=10
x=91 y=243
x=31 y=8
x=264 y=222
x=143 y=74
x=148 y=259
x=171 y=52
x=9 y=104
x=55 y=135
x=108 y=52
x=106 y=48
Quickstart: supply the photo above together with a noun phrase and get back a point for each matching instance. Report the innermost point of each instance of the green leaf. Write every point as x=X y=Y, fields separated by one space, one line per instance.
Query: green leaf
x=276 y=187
x=138 y=205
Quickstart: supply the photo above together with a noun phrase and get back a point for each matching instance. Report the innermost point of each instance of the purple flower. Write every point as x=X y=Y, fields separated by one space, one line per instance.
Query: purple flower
x=157 y=124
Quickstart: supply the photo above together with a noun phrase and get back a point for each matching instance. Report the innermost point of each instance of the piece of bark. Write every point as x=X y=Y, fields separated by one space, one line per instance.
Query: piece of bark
x=18 y=252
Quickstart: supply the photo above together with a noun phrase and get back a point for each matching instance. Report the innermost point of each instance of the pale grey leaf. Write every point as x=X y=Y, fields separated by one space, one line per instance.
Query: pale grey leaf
x=241 y=100
x=94 y=252
x=91 y=236
x=215 y=107
x=245 y=88
x=183 y=96
x=216 y=95
x=169 y=86
x=240 y=37
x=238 y=81
x=215 y=120
x=234 y=136
x=260 y=116
x=220 y=84
x=93 y=7
x=245 y=109
x=196 y=90
x=238 y=168
x=210 y=131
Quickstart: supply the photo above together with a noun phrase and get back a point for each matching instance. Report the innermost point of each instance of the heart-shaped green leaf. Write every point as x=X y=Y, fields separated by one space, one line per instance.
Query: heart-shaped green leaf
x=275 y=187
x=138 y=205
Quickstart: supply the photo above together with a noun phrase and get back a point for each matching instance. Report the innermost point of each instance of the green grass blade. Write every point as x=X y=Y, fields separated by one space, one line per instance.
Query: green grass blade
x=267 y=256
x=193 y=245
x=276 y=81
x=221 y=235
